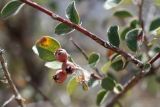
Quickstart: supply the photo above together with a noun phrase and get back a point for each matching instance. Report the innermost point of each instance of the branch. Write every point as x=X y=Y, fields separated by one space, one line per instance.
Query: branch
x=17 y=95
x=84 y=31
x=154 y=58
x=133 y=81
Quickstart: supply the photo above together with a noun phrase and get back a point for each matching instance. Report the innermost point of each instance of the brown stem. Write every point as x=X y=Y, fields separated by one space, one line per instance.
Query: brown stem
x=18 y=97
x=140 y=6
x=80 y=49
x=151 y=61
x=84 y=31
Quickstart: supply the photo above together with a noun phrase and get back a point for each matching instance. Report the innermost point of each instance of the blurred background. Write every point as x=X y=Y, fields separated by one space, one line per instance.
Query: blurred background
x=34 y=81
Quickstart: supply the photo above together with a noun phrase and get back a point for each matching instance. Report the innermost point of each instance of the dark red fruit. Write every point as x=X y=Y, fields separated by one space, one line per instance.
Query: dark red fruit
x=68 y=67
x=61 y=55
x=60 y=76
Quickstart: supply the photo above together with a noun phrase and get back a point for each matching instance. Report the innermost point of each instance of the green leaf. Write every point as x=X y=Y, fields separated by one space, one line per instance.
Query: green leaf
x=134 y=23
x=72 y=13
x=11 y=8
x=118 y=63
x=44 y=54
x=131 y=39
x=62 y=29
x=118 y=88
x=109 y=4
x=154 y=24
x=93 y=59
x=45 y=48
x=72 y=85
x=53 y=65
x=122 y=14
x=156 y=32
x=106 y=67
x=113 y=36
x=108 y=83
x=102 y=94
x=124 y=32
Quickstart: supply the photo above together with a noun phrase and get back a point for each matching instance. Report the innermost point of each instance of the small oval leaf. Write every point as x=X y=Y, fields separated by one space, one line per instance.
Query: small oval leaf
x=124 y=32
x=45 y=48
x=113 y=36
x=157 y=32
x=118 y=88
x=62 y=29
x=122 y=14
x=109 y=4
x=72 y=13
x=106 y=67
x=131 y=39
x=102 y=94
x=93 y=59
x=154 y=24
x=72 y=85
x=11 y=8
x=53 y=65
x=118 y=63
x=108 y=83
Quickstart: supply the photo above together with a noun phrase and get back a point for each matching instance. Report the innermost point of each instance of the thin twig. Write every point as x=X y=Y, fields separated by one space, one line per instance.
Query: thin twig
x=80 y=49
x=79 y=28
x=86 y=57
x=140 y=15
x=8 y=101
x=17 y=95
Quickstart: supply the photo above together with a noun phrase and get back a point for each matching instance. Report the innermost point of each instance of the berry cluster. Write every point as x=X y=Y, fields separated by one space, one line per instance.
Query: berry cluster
x=67 y=66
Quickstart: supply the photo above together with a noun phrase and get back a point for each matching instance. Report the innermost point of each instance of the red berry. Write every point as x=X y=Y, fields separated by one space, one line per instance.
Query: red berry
x=61 y=55
x=60 y=76
x=68 y=67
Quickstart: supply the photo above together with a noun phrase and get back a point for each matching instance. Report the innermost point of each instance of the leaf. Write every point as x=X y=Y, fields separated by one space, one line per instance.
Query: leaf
x=109 y=4
x=113 y=36
x=124 y=32
x=93 y=59
x=102 y=94
x=72 y=85
x=53 y=65
x=118 y=63
x=156 y=32
x=106 y=67
x=45 y=48
x=72 y=13
x=108 y=84
x=62 y=29
x=11 y=8
x=154 y=24
x=134 y=23
x=122 y=14
x=131 y=39
x=118 y=88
